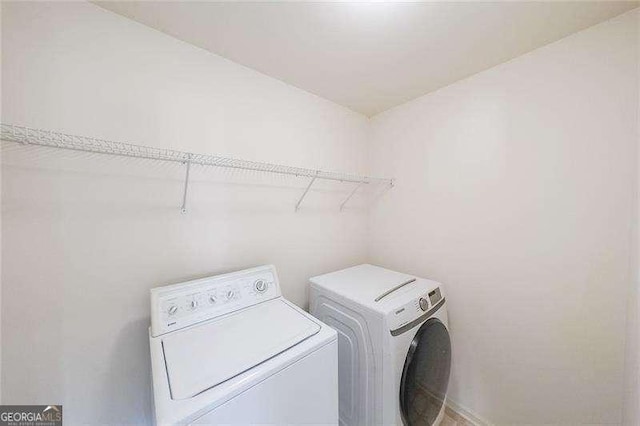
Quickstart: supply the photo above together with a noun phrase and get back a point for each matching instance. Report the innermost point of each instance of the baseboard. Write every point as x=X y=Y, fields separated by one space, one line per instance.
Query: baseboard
x=466 y=414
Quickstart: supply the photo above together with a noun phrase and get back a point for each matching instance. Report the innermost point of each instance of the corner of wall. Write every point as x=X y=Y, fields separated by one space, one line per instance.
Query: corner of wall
x=631 y=404
x=370 y=171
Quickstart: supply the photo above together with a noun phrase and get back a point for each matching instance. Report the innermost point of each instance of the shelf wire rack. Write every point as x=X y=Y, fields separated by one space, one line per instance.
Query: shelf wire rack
x=53 y=139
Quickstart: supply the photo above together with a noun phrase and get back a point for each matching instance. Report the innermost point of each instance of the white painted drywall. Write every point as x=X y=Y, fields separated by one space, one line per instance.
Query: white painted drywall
x=0 y=217
x=631 y=414
x=85 y=238
x=516 y=189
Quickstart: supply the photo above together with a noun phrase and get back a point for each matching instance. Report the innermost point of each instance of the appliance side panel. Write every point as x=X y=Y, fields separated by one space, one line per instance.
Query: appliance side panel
x=360 y=355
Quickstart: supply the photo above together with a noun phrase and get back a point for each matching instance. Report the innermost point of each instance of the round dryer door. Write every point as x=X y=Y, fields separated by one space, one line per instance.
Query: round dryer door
x=425 y=376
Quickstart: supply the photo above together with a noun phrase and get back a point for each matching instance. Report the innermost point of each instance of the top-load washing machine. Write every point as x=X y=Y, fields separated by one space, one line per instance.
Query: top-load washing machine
x=394 y=350
x=230 y=349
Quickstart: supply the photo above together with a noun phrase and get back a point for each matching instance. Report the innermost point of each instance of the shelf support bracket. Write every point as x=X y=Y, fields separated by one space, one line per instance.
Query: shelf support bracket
x=183 y=209
x=350 y=195
x=304 y=194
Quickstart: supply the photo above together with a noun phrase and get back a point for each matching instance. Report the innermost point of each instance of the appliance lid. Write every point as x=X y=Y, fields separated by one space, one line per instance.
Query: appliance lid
x=364 y=283
x=206 y=355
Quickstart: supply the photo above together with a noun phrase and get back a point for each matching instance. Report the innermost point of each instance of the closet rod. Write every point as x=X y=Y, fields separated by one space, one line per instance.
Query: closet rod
x=26 y=135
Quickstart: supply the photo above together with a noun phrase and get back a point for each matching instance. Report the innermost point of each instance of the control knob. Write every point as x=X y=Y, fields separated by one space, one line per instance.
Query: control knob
x=230 y=294
x=212 y=299
x=173 y=309
x=193 y=305
x=424 y=305
x=260 y=286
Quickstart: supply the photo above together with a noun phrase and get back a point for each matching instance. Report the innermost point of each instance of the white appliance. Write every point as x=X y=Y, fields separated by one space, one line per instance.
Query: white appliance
x=230 y=349
x=394 y=350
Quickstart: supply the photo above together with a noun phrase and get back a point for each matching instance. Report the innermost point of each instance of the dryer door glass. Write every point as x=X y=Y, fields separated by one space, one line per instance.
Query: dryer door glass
x=425 y=376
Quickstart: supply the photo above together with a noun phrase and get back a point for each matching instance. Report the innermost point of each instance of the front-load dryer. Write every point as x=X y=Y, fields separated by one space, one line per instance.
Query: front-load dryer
x=394 y=350
x=230 y=349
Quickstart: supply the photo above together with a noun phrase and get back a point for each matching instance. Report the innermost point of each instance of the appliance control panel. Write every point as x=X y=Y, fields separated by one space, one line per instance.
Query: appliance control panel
x=180 y=305
x=414 y=309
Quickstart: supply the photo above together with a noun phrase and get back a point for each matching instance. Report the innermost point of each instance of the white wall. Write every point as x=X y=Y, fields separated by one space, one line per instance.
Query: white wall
x=85 y=238
x=516 y=188
x=631 y=415
x=0 y=218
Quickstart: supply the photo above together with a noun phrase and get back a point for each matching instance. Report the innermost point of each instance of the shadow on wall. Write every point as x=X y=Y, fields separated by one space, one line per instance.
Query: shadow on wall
x=127 y=383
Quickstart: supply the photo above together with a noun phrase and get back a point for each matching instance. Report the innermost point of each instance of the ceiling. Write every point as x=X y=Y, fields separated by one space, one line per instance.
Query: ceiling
x=369 y=56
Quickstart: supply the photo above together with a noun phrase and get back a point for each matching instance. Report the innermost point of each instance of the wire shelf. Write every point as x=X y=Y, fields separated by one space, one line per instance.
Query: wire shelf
x=52 y=139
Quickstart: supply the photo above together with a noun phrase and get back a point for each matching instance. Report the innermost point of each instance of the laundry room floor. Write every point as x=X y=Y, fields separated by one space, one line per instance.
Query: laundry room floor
x=451 y=418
